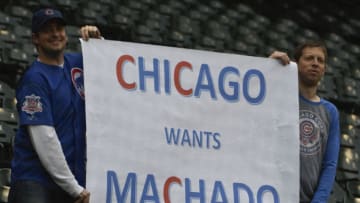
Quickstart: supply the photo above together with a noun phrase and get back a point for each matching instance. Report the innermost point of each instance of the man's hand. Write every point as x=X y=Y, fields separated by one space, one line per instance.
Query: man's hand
x=90 y=31
x=84 y=197
x=282 y=56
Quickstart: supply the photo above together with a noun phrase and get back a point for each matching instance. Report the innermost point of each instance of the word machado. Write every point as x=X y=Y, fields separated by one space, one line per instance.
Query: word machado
x=204 y=83
x=193 y=190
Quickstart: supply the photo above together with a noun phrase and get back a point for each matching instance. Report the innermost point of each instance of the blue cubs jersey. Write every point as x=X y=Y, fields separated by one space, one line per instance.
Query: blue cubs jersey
x=54 y=96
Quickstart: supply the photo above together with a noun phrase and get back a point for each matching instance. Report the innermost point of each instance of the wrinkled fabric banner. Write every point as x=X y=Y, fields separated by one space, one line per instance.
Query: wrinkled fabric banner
x=179 y=125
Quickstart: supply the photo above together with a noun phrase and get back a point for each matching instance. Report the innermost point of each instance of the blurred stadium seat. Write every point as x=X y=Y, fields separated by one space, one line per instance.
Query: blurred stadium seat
x=8 y=123
x=8 y=112
x=239 y=47
x=354 y=188
x=176 y=39
x=143 y=34
x=8 y=38
x=5 y=20
x=206 y=43
x=20 y=14
x=22 y=33
x=124 y=21
x=327 y=87
x=347 y=88
x=16 y=56
x=5 y=174
x=87 y=16
x=73 y=38
x=6 y=133
x=338 y=194
x=349 y=161
x=66 y=4
x=7 y=136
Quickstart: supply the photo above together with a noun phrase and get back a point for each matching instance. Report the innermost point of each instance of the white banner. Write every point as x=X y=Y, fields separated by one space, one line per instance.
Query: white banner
x=186 y=126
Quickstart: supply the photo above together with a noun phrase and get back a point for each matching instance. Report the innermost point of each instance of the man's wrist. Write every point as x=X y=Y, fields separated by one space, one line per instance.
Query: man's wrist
x=83 y=194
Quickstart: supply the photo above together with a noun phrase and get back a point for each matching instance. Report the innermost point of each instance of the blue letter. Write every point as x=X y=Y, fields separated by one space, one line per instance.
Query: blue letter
x=218 y=190
x=237 y=186
x=186 y=138
x=167 y=77
x=120 y=197
x=172 y=136
x=143 y=73
x=254 y=100
x=267 y=188
x=197 y=139
x=216 y=139
x=150 y=184
x=205 y=73
x=234 y=85
x=199 y=195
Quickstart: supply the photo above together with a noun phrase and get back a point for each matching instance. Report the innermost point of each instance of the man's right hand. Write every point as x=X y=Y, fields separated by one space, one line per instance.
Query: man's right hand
x=90 y=31
x=282 y=56
x=84 y=197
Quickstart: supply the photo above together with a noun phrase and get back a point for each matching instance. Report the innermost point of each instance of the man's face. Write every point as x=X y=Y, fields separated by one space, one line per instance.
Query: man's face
x=51 y=39
x=311 y=66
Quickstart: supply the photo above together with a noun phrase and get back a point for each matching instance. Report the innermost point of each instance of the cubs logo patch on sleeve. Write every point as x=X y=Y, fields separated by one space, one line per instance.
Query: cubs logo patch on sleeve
x=32 y=104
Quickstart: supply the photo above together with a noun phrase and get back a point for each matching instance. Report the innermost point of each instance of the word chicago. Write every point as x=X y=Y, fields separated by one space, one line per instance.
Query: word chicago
x=165 y=76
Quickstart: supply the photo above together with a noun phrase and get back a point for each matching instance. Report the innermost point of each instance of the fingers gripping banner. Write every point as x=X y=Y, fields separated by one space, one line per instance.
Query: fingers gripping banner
x=177 y=125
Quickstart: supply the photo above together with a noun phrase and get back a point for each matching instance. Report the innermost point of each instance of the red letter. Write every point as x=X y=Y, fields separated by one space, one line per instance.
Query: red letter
x=119 y=65
x=179 y=66
x=167 y=184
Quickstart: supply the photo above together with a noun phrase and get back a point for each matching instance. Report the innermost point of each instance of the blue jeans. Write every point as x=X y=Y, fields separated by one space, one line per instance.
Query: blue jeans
x=34 y=192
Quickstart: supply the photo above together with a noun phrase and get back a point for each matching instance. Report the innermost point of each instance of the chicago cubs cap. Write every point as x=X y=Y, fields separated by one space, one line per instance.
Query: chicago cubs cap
x=43 y=15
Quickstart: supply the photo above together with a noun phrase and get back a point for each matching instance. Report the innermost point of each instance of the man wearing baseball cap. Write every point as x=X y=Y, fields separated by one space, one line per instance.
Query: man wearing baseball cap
x=49 y=159
x=42 y=16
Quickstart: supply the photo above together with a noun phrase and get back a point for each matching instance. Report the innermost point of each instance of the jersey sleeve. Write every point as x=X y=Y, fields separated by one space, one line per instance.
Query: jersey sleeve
x=329 y=164
x=51 y=155
x=34 y=103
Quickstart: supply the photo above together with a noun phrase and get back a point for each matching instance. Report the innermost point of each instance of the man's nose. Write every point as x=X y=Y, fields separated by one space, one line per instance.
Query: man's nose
x=316 y=61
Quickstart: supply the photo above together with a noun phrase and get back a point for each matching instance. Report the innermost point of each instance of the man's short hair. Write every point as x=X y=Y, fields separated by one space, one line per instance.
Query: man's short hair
x=299 y=49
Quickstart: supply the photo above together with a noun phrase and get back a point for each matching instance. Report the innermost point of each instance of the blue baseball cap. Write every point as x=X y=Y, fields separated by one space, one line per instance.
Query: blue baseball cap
x=42 y=16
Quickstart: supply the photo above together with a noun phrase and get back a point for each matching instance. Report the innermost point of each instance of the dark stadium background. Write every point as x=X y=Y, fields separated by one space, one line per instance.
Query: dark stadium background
x=249 y=27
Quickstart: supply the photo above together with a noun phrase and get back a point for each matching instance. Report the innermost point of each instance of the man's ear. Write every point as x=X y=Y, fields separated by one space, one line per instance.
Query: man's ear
x=34 y=38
